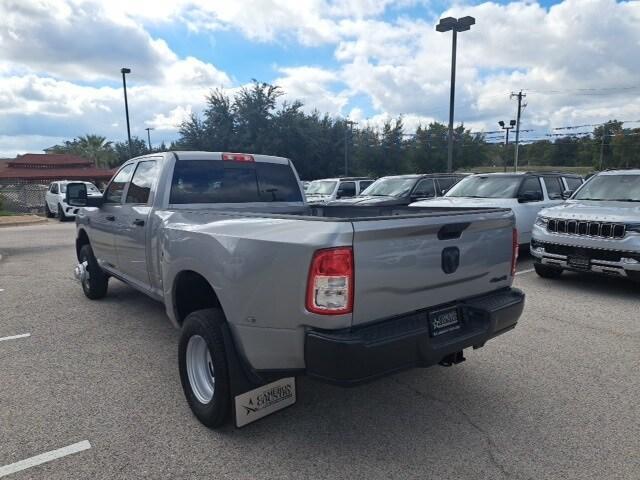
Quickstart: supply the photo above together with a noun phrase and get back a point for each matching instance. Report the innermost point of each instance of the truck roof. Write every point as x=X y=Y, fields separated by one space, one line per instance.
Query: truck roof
x=337 y=179
x=631 y=171
x=201 y=155
x=520 y=174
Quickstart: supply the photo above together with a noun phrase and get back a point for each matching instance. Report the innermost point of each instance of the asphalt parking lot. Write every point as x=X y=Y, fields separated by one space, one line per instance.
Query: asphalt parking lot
x=558 y=397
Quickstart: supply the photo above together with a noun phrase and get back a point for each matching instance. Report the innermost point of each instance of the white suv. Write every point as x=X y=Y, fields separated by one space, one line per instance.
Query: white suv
x=54 y=201
x=525 y=193
x=326 y=190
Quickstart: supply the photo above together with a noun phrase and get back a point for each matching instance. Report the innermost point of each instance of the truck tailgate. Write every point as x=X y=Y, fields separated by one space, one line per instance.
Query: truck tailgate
x=400 y=263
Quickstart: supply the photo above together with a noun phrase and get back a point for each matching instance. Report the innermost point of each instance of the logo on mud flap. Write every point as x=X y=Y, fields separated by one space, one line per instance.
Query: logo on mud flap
x=269 y=398
x=258 y=403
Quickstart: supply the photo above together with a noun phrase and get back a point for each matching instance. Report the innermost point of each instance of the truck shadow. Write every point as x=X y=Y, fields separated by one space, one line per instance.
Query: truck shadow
x=412 y=423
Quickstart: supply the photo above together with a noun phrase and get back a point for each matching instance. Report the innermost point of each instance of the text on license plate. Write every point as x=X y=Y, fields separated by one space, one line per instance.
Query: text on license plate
x=444 y=321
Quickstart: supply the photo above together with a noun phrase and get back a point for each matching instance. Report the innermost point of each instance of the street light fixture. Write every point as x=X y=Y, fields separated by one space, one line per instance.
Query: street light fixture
x=148 y=129
x=456 y=25
x=506 y=128
x=124 y=71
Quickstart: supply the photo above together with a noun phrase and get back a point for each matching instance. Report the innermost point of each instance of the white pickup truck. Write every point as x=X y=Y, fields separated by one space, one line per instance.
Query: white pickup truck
x=265 y=287
x=525 y=193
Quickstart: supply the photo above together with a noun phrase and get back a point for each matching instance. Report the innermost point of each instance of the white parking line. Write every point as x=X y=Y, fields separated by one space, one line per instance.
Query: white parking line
x=14 y=337
x=525 y=271
x=44 y=458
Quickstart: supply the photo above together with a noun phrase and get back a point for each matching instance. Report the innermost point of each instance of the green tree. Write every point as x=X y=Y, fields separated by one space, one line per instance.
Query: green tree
x=138 y=147
x=90 y=146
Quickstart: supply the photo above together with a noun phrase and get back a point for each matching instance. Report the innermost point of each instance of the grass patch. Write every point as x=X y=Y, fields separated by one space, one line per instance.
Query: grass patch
x=4 y=213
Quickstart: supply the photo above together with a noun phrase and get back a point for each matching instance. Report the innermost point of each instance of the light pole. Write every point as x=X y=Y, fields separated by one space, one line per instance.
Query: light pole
x=347 y=124
x=124 y=71
x=506 y=128
x=148 y=129
x=460 y=25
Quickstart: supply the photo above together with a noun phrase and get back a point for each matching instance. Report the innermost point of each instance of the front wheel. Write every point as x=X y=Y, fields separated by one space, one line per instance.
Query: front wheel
x=93 y=279
x=545 y=271
x=61 y=214
x=47 y=211
x=203 y=367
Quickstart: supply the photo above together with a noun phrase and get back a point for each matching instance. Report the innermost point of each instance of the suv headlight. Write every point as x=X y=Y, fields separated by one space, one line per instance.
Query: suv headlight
x=542 y=221
x=633 y=227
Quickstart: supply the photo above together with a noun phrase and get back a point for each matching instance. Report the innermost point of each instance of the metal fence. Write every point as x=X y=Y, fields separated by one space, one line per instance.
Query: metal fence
x=23 y=197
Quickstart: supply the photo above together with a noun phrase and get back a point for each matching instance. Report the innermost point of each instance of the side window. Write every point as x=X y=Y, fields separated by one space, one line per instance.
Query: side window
x=347 y=189
x=424 y=189
x=531 y=186
x=114 y=192
x=364 y=184
x=142 y=181
x=54 y=188
x=554 y=187
x=573 y=183
x=445 y=184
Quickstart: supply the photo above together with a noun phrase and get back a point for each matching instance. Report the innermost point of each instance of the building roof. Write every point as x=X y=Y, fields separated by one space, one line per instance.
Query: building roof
x=49 y=160
x=38 y=166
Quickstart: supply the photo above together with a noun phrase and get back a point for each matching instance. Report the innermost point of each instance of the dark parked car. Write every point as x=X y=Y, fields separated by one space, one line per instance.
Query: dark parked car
x=404 y=189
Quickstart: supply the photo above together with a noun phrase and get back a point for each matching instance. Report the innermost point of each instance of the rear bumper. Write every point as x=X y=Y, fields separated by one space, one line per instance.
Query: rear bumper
x=357 y=355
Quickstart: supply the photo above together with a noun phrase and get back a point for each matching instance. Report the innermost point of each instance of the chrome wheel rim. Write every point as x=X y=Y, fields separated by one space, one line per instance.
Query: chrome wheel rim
x=86 y=275
x=200 y=369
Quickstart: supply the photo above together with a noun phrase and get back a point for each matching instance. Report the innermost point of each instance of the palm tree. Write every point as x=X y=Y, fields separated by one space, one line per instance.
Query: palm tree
x=96 y=148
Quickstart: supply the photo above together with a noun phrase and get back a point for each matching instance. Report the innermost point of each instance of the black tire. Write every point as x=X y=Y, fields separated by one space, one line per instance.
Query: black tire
x=61 y=214
x=48 y=212
x=545 y=271
x=95 y=287
x=207 y=325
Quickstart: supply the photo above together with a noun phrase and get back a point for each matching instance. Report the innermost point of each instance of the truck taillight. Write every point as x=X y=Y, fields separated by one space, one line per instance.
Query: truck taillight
x=330 y=283
x=515 y=249
x=237 y=157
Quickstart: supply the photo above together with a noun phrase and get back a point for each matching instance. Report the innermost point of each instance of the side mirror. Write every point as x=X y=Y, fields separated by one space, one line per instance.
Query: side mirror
x=567 y=194
x=77 y=196
x=526 y=197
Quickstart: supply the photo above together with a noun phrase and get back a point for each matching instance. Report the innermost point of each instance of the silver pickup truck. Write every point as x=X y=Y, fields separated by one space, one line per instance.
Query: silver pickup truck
x=265 y=287
x=597 y=230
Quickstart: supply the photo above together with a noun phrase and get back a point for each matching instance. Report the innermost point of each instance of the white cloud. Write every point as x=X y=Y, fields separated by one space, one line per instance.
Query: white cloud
x=60 y=61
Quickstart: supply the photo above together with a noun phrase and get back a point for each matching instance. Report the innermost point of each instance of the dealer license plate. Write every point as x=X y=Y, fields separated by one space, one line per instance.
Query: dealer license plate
x=582 y=263
x=444 y=321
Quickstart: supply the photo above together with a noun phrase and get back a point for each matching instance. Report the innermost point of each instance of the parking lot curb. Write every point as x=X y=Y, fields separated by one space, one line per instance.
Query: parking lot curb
x=21 y=221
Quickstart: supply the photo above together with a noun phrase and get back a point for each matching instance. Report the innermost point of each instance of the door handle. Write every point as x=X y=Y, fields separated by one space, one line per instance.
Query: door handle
x=139 y=222
x=110 y=218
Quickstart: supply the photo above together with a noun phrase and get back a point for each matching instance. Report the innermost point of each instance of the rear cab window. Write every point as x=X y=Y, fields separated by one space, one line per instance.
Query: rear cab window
x=220 y=181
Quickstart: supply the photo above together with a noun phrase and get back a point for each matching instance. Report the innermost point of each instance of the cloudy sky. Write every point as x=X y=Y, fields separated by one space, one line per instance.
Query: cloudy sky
x=577 y=60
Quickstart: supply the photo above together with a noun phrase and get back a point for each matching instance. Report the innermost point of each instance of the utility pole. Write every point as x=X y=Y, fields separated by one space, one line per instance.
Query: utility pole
x=520 y=96
x=604 y=135
x=148 y=129
x=347 y=124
